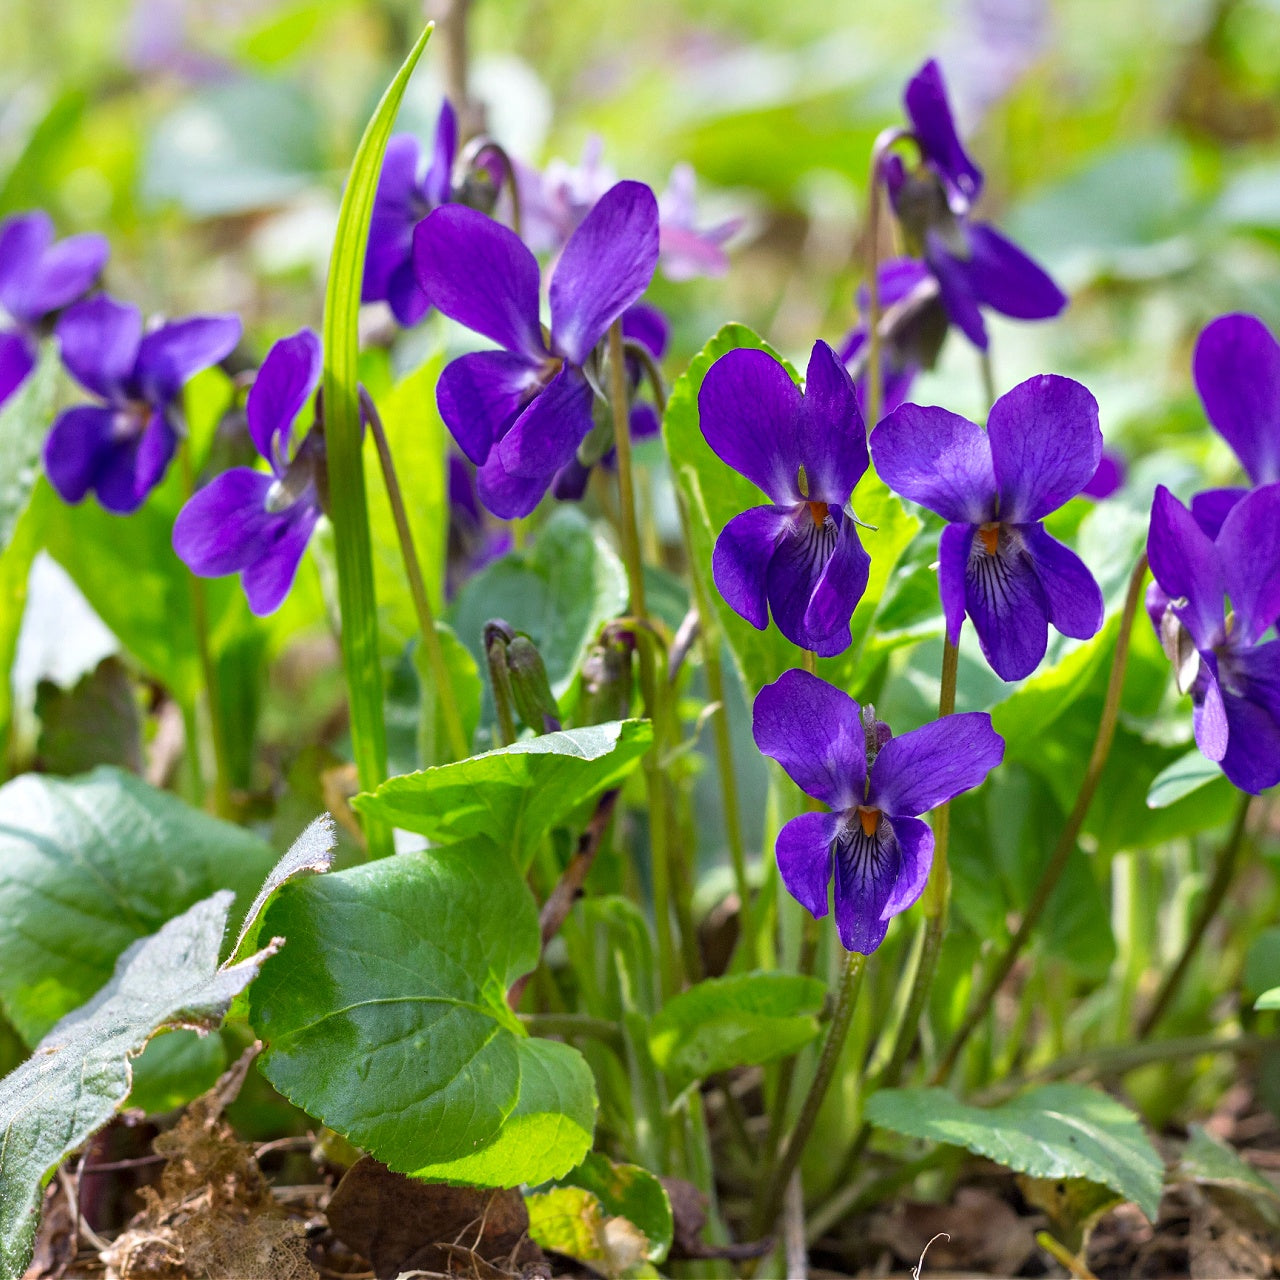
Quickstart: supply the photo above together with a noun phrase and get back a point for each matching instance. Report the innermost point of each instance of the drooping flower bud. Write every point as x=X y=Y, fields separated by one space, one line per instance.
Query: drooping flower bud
x=606 y=678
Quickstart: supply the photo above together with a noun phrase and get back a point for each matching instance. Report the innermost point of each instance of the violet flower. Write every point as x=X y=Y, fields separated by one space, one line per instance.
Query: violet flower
x=647 y=327
x=975 y=266
x=1108 y=478
x=407 y=192
x=799 y=557
x=121 y=449
x=1221 y=658
x=685 y=250
x=246 y=521
x=995 y=561
x=913 y=326
x=475 y=539
x=521 y=412
x=876 y=785
x=37 y=278
x=1237 y=373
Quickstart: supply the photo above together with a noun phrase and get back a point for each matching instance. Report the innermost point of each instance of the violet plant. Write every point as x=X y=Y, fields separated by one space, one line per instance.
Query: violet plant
x=631 y=872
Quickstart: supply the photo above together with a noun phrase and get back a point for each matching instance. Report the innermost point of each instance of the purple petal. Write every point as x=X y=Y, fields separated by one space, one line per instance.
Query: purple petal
x=133 y=467
x=799 y=561
x=75 y=448
x=169 y=357
x=647 y=325
x=750 y=413
x=391 y=223
x=953 y=567
x=1108 y=478
x=1073 y=598
x=16 y=361
x=506 y=495
x=740 y=561
x=547 y=434
x=1209 y=717
x=155 y=451
x=99 y=339
x=1005 y=279
x=1252 y=757
x=606 y=266
x=480 y=395
x=267 y=580
x=1004 y=599
x=224 y=526
x=405 y=295
x=804 y=859
x=956 y=289
x=814 y=732
x=571 y=481
x=1211 y=507
x=1237 y=373
x=837 y=592
x=915 y=839
x=63 y=273
x=437 y=186
x=833 y=440
x=284 y=384
x=918 y=771
x=932 y=123
x=1045 y=445
x=867 y=870
x=687 y=254
x=23 y=239
x=479 y=273
x=938 y=459
x=1186 y=565
x=645 y=423
x=1248 y=550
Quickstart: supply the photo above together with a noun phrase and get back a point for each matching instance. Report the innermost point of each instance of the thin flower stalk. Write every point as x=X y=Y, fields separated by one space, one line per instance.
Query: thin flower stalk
x=1067 y=840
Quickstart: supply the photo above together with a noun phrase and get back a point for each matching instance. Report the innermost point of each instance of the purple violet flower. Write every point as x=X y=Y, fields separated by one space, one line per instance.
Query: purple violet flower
x=995 y=561
x=975 y=265
x=685 y=251
x=406 y=193
x=251 y=523
x=37 y=278
x=877 y=786
x=913 y=327
x=1237 y=372
x=521 y=412
x=799 y=557
x=1109 y=477
x=475 y=538
x=121 y=449
x=1220 y=657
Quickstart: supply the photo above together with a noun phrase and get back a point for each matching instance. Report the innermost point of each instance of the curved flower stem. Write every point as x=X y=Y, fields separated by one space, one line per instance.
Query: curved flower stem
x=770 y=1201
x=209 y=672
x=1067 y=839
x=453 y=725
x=629 y=532
x=1223 y=874
x=481 y=146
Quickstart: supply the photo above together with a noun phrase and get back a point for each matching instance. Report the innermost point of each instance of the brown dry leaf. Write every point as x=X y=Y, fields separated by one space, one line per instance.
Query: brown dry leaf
x=213 y=1216
x=985 y=1233
x=56 y=1241
x=403 y=1225
x=1222 y=1244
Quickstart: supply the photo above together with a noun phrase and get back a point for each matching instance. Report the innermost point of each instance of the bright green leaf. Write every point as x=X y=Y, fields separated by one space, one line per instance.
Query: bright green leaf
x=515 y=795
x=1186 y=774
x=735 y=1022
x=1055 y=1131
x=1268 y=999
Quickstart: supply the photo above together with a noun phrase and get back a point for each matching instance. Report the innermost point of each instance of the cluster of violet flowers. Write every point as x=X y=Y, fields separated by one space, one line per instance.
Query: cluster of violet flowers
x=530 y=416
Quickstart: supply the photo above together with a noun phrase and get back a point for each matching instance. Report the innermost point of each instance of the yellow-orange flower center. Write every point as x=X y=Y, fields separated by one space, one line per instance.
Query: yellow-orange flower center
x=870 y=819
x=818 y=512
x=990 y=535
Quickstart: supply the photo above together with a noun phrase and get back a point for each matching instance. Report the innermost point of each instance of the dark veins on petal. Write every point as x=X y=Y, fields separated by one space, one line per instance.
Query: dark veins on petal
x=868 y=860
x=995 y=561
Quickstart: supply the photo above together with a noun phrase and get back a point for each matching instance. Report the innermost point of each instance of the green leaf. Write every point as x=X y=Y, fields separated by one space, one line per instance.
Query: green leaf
x=97 y=721
x=15 y=572
x=1055 y=1131
x=468 y=690
x=89 y=865
x=630 y=1192
x=386 y=1018
x=572 y=1221
x=735 y=1022
x=559 y=593
x=79 y=1073
x=25 y=418
x=1205 y=1160
x=349 y=510
x=1268 y=999
x=175 y=1067
x=515 y=795
x=1186 y=774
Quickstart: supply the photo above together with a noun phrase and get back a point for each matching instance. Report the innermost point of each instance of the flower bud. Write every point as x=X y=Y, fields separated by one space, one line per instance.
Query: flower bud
x=530 y=688
x=606 y=679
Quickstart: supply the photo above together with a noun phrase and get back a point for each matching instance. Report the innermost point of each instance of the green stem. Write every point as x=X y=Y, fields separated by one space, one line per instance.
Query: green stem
x=874 y=384
x=209 y=673
x=629 y=532
x=988 y=378
x=348 y=502
x=1067 y=839
x=453 y=726
x=574 y=1026
x=1214 y=896
x=770 y=1201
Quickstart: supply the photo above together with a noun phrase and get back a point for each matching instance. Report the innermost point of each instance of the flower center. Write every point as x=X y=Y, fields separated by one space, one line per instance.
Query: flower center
x=130 y=419
x=869 y=818
x=818 y=513
x=990 y=535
